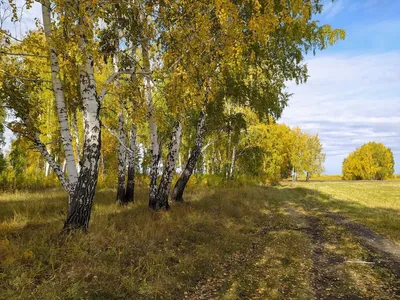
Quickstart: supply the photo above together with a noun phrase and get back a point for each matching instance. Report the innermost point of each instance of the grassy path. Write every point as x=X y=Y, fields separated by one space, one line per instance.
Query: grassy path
x=335 y=257
x=389 y=251
x=343 y=249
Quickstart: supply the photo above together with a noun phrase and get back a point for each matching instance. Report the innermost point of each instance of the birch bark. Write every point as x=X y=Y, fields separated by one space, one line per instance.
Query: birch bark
x=130 y=185
x=121 y=156
x=180 y=185
x=52 y=163
x=155 y=147
x=161 y=202
x=82 y=200
x=121 y=136
x=77 y=142
x=60 y=100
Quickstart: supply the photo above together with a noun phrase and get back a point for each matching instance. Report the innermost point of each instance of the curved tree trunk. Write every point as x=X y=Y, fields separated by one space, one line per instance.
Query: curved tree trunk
x=180 y=185
x=62 y=115
x=130 y=185
x=52 y=163
x=161 y=201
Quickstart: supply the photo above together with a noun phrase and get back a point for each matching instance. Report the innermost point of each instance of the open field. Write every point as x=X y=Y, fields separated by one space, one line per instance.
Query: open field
x=322 y=240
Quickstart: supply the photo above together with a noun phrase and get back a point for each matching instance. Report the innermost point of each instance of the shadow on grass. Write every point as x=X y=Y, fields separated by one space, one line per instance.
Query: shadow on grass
x=135 y=252
x=385 y=221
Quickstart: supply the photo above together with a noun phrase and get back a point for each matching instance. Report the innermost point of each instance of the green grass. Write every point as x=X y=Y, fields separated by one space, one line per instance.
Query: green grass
x=375 y=204
x=231 y=243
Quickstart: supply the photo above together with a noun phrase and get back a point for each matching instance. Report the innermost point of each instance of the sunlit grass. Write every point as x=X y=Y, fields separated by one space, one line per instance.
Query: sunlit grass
x=135 y=253
x=375 y=204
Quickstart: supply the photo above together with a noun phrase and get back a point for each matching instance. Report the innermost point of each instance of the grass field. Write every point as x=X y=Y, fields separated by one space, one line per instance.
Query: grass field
x=296 y=241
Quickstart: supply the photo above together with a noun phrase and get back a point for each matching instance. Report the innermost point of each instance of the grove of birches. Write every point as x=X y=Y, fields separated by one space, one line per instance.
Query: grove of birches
x=116 y=93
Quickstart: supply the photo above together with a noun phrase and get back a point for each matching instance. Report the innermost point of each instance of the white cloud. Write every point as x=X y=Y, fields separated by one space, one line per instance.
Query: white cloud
x=349 y=100
x=331 y=9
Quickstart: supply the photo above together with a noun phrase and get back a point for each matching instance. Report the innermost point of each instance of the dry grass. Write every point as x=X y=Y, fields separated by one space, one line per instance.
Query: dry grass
x=236 y=242
x=130 y=252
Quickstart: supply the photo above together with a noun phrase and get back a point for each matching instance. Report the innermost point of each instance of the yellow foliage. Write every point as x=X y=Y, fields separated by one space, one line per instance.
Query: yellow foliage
x=372 y=161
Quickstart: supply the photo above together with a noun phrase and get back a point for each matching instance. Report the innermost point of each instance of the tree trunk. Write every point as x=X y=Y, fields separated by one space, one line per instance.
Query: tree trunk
x=130 y=186
x=228 y=153
x=60 y=100
x=180 y=185
x=121 y=133
x=143 y=150
x=233 y=162
x=308 y=176
x=47 y=165
x=52 y=163
x=77 y=143
x=82 y=199
x=155 y=147
x=121 y=157
x=161 y=202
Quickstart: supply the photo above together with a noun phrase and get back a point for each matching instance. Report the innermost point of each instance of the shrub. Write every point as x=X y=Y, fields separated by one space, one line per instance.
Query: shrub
x=372 y=161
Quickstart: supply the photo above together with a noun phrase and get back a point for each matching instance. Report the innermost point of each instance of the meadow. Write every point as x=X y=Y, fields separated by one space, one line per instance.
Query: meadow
x=295 y=241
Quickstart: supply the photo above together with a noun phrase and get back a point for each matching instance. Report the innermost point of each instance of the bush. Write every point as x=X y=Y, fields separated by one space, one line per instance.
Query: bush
x=372 y=161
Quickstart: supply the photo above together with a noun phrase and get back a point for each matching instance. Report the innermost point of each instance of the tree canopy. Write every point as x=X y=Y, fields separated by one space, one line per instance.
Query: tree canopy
x=149 y=72
x=372 y=161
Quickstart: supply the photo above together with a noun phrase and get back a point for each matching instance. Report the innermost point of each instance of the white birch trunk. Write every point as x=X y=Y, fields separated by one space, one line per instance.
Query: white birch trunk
x=155 y=147
x=180 y=185
x=121 y=157
x=121 y=135
x=60 y=100
x=52 y=163
x=77 y=142
x=130 y=185
x=233 y=161
x=47 y=166
x=161 y=202
x=82 y=200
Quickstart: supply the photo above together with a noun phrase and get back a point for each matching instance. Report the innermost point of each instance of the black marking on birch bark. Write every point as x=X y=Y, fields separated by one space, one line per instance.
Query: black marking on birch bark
x=180 y=185
x=82 y=199
x=161 y=200
x=121 y=157
x=130 y=185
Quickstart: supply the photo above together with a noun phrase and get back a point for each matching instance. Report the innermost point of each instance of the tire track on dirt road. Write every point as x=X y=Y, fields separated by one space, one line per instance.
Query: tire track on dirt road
x=382 y=253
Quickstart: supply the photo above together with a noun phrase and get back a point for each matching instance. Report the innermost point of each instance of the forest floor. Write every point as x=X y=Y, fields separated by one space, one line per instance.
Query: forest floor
x=316 y=240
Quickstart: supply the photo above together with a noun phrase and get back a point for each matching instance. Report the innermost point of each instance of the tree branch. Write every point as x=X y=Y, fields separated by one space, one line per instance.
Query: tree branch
x=113 y=77
x=23 y=54
x=118 y=139
x=55 y=166
x=208 y=145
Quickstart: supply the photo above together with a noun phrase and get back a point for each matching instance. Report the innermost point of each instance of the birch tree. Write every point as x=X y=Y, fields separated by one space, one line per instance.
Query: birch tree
x=65 y=131
x=81 y=20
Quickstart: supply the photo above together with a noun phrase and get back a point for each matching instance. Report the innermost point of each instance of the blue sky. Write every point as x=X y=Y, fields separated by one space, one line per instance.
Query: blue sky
x=353 y=93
